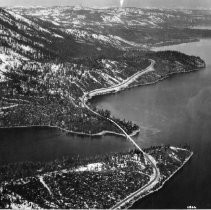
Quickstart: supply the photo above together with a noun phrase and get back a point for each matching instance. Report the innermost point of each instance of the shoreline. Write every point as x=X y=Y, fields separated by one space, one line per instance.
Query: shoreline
x=154 y=82
x=100 y=134
x=84 y=99
x=136 y=198
x=126 y=204
x=117 y=88
x=166 y=77
x=171 y=43
x=105 y=132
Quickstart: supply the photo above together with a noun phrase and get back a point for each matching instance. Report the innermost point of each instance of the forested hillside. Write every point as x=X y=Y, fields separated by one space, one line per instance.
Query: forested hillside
x=45 y=68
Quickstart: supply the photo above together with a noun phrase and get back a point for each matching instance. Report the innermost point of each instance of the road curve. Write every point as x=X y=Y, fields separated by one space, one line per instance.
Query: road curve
x=117 y=88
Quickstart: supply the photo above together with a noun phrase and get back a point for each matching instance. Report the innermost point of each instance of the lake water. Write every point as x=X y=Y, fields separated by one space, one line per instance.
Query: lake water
x=202 y=27
x=46 y=144
x=174 y=111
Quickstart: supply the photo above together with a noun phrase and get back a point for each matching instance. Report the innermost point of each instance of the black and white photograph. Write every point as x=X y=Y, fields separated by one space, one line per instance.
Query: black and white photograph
x=105 y=104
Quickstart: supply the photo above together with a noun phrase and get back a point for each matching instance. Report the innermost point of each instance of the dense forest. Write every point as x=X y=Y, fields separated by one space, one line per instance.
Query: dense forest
x=49 y=93
x=45 y=70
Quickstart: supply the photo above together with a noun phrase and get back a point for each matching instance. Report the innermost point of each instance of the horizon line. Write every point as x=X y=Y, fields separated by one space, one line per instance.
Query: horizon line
x=106 y=7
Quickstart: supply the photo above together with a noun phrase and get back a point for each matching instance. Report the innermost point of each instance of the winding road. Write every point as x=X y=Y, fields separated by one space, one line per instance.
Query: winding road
x=150 y=159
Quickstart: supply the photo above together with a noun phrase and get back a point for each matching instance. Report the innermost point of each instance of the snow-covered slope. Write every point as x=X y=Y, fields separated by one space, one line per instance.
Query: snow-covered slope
x=24 y=36
x=123 y=29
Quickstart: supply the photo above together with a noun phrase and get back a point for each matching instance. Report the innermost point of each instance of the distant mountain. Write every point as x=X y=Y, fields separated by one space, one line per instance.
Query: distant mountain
x=40 y=40
x=61 y=34
x=51 y=58
x=26 y=37
x=93 y=31
x=66 y=32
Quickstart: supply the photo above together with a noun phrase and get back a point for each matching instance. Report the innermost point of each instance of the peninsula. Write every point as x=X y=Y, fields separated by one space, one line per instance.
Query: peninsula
x=50 y=71
x=78 y=183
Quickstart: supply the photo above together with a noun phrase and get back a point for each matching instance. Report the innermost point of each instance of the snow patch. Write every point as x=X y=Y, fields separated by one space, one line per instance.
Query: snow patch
x=90 y=167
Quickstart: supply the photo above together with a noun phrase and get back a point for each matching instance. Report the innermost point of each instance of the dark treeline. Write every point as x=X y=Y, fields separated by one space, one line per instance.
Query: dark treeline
x=20 y=170
x=119 y=176
x=118 y=172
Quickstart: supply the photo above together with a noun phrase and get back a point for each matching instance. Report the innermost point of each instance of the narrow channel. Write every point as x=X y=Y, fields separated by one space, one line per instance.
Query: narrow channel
x=175 y=111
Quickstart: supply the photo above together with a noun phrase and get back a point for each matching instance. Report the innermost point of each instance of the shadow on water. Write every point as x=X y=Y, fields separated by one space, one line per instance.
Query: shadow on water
x=47 y=144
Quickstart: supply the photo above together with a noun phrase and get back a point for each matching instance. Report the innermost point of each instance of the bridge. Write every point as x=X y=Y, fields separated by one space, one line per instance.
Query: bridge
x=156 y=173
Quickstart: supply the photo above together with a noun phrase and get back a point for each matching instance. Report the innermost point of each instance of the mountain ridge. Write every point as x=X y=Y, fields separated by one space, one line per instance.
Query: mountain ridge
x=56 y=74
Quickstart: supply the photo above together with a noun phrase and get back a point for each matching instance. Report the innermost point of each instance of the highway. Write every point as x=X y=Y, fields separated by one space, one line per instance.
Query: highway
x=116 y=88
x=120 y=86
